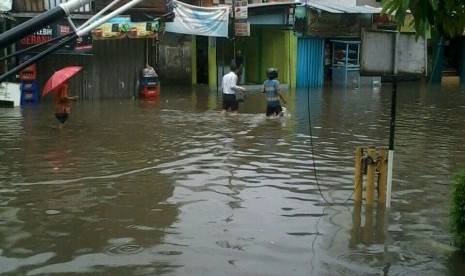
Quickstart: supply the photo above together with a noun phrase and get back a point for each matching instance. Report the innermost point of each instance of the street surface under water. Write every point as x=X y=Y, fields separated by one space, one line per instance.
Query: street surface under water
x=174 y=188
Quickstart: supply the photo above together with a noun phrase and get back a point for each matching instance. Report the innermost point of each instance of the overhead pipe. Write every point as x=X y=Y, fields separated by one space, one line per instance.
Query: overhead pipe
x=84 y=31
x=32 y=47
x=66 y=39
x=40 y=21
x=69 y=37
x=60 y=37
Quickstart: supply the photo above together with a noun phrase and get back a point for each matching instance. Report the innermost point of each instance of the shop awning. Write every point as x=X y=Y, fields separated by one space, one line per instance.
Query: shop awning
x=7 y=16
x=340 y=8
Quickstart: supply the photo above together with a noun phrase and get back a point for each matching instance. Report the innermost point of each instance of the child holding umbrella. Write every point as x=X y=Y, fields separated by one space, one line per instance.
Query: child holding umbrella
x=63 y=104
x=58 y=83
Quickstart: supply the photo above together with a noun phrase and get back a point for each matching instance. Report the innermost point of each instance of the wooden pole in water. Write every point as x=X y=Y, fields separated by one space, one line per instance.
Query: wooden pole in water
x=382 y=177
x=368 y=227
x=371 y=171
x=356 y=226
x=358 y=175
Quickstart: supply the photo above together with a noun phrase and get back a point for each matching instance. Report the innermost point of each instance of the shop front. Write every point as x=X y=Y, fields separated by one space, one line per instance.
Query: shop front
x=328 y=46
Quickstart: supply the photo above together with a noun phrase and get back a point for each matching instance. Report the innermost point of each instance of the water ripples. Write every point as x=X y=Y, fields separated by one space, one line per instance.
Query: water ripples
x=170 y=189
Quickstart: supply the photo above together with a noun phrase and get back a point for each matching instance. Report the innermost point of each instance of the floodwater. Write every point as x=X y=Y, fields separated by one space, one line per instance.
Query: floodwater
x=173 y=188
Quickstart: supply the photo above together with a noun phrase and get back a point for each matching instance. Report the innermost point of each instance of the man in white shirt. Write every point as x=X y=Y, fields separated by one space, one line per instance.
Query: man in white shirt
x=229 y=85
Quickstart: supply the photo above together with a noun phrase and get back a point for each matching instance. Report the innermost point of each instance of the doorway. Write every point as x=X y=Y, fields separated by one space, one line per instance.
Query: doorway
x=202 y=59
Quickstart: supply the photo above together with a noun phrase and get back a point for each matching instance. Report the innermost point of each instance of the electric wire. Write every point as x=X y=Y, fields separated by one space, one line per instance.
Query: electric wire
x=312 y=150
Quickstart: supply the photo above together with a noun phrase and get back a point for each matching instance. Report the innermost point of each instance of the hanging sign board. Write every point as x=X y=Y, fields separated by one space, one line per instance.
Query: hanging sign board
x=82 y=45
x=143 y=29
x=41 y=36
x=121 y=26
x=115 y=28
x=300 y=20
x=206 y=21
x=240 y=9
x=390 y=53
x=242 y=28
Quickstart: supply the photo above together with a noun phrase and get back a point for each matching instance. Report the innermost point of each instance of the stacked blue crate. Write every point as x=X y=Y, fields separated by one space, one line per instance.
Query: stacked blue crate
x=29 y=92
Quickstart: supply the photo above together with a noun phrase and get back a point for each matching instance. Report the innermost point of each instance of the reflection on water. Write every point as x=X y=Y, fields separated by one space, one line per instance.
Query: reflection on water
x=171 y=187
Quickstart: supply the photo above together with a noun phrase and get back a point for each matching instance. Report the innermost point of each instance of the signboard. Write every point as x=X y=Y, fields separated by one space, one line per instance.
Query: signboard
x=121 y=26
x=337 y=25
x=115 y=28
x=43 y=35
x=300 y=20
x=207 y=21
x=385 y=52
x=242 y=28
x=82 y=45
x=143 y=29
x=240 y=9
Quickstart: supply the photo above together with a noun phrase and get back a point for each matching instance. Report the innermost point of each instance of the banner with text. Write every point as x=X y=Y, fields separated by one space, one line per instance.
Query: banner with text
x=82 y=45
x=207 y=21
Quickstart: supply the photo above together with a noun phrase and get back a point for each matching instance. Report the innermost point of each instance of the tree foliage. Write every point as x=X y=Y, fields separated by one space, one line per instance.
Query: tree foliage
x=447 y=17
x=457 y=210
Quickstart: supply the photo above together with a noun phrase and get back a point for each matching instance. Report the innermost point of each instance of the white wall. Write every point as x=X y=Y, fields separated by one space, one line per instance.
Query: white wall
x=10 y=91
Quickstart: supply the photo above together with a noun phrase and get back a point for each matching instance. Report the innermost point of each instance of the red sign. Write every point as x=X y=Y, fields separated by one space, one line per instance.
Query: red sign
x=38 y=37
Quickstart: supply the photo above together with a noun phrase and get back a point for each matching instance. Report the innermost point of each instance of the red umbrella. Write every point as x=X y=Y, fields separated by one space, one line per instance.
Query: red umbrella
x=59 y=77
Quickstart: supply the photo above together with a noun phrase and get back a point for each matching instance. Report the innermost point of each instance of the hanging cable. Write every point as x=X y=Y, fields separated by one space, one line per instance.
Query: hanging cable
x=315 y=174
x=311 y=146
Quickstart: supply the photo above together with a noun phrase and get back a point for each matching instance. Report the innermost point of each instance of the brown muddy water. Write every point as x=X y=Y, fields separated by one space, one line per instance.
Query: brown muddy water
x=173 y=188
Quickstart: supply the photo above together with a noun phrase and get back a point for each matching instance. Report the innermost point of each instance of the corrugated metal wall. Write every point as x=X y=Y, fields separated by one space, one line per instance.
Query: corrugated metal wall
x=266 y=47
x=310 y=62
x=112 y=71
x=117 y=65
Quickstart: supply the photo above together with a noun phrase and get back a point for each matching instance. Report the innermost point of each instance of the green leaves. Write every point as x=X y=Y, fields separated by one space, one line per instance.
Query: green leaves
x=447 y=17
x=457 y=210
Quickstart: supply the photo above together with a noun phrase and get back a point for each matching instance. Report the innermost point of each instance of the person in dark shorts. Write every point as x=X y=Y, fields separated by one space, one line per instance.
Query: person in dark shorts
x=273 y=93
x=63 y=104
x=229 y=85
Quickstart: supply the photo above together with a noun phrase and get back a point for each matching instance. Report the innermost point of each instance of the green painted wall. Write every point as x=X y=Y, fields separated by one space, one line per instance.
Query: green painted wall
x=212 y=78
x=265 y=47
x=269 y=47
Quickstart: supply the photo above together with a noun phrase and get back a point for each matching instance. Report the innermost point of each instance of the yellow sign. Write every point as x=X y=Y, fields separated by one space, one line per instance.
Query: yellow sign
x=118 y=28
x=110 y=31
x=143 y=29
